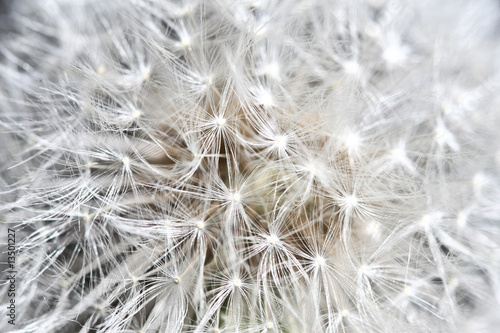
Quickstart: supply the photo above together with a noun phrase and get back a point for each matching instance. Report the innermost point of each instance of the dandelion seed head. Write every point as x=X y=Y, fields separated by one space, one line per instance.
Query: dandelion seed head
x=220 y=121
x=446 y=107
x=363 y=269
x=467 y=100
x=145 y=73
x=65 y=284
x=101 y=69
x=187 y=9
x=265 y=97
x=311 y=168
x=479 y=180
x=88 y=165
x=185 y=42
x=273 y=239
x=372 y=228
x=273 y=70
x=259 y=31
x=100 y=307
x=351 y=201
x=453 y=282
x=236 y=282
x=280 y=141
x=395 y=54
x=200 y=225
x=209 y=81
x=408 y=291
x=427 y=220
x=441 y=133
x=136 y=114
x=126 y=161
x=461 y=220
x=372 y=30
x=255 y=4
x=236 y=197
x=253 y=166
x=445 y=138
x=352 y=141
x=351 y=67
x=399 y=154
x=319 y=261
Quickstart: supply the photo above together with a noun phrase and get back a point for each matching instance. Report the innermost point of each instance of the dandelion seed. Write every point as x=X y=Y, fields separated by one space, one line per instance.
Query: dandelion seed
x=185 y=42
x=255 y=4
x=372 y=30
x=446 y=107
x=273 y=70
x=65 y=284
x=351 y=67
x=200 y=225
x=311 y=169
x=319 y=261
x=352 y=142
x=461 y=220
x=101 y=70
x=467 y=101
x=399 y=154
x=236 y=283
x=280 y=141
x=427 y=220
x=126 y=161
x=220 y=122
x=351 y=201
x=186 y=10
x=272 y=239
x=363 y=269
x=444 y=137
x=478 y=181
x=259 y=31
x=453 y=282
x=136 y=114
x=408 y=291
x=395 y=54
x=236 y=197
x=209 y=81
x=265 y=97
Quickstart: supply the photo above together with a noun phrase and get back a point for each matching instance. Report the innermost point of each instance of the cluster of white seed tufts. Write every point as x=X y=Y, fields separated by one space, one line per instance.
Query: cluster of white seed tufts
x=251 y=166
